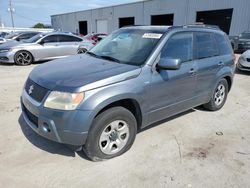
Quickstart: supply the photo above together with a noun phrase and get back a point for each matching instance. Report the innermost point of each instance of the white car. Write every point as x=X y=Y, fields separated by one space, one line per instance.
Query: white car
x=244 y=61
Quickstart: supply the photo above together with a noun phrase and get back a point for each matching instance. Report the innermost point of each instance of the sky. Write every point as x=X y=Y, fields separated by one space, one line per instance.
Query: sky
x=29 y=12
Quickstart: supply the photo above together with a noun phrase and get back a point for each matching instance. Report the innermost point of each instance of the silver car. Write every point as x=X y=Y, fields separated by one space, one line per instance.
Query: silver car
x=2 y=40
x=43 y=47
x=244 y=61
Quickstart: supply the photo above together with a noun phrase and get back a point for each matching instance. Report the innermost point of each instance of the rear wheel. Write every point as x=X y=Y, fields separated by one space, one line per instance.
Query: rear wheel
x=112 y=133
x=23 y=58
x=219 y=97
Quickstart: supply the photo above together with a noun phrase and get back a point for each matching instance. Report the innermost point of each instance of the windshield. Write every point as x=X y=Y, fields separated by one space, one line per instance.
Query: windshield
x=34 y=38
x=128 y=46
x=10 y=36
x=245 y=36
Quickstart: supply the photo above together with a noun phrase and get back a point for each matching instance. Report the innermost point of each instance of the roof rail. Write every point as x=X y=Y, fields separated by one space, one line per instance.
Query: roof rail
x=201 y=25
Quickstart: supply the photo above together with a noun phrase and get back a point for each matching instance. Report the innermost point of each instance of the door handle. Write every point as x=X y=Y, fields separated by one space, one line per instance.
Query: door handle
x=192 y=71
x=220 y=64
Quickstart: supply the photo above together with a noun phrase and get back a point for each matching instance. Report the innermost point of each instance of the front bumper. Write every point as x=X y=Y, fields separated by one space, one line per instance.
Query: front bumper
x=7 y=57
x=67 y=127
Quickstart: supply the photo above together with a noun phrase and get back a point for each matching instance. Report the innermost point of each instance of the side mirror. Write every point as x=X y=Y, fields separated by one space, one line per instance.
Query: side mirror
x=169 y=64
x=18 y=39
x=41 y=42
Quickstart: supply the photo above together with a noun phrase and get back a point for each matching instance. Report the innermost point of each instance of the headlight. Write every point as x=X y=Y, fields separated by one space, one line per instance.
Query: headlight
x=63 y=101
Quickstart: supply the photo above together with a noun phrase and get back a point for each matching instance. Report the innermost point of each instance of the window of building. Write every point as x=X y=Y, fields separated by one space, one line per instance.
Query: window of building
x=164 y=19
x=126 y=21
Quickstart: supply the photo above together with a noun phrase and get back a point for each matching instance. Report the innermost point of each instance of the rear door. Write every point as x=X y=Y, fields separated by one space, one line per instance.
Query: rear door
x=68 y=45
x=208 y=62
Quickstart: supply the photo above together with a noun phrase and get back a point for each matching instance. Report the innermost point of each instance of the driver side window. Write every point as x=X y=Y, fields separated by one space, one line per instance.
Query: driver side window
x=179 y=46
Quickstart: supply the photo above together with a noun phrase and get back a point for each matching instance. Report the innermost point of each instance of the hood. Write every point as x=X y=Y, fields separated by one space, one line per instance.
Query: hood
x=246 y=54
x=81 y=73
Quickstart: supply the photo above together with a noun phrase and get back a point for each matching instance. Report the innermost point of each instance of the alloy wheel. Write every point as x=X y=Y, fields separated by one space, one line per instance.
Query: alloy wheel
x=219 y=95
x=23 y=58
x=114 y=137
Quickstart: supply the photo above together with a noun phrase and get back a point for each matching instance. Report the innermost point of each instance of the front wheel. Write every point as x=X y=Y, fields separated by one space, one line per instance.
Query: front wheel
x=23 y=58
x=112 y=133
x=219 y=97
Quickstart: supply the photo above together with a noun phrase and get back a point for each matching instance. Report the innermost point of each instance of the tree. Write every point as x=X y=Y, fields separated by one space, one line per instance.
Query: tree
x=41 y=25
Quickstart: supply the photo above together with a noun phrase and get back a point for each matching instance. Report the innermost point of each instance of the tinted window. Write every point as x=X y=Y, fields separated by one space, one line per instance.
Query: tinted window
x=205 y=46
x=26 y=35
x=179 y=46
x=51 y=38
x=67 y=38
x=223 y=45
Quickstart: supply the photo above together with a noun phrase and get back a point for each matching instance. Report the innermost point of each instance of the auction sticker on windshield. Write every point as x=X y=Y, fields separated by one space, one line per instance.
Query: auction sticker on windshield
x=152 y=35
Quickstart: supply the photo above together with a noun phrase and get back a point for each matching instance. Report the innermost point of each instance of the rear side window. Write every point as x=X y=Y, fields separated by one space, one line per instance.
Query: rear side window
x=179 y=46
x=205 y=46
x=67 y=38
x=223 y=45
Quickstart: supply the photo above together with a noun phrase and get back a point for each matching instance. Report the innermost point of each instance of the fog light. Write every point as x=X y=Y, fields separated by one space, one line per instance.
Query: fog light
x=46 y=128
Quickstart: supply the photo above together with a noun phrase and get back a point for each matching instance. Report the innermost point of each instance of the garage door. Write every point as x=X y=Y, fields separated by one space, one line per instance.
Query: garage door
x=221 y=18
x=102 y=26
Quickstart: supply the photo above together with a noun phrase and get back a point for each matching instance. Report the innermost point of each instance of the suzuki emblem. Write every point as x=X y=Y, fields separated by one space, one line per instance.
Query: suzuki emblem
x=31 y=89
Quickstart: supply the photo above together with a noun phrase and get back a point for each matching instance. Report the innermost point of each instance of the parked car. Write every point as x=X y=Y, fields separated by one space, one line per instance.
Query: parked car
x=100 y=99
x=244 y=61
x=95 y=37
x=20 y=36
x=43 y=47
x=2 y=40
x=244 y=42
x=3 y=34
x=234 y=42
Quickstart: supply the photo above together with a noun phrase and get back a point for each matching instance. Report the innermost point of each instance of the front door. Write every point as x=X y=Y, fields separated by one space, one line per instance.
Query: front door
x=49 y=47
x=172 y=91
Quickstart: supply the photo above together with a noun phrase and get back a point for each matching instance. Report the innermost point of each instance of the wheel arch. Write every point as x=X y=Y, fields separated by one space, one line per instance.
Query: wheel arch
x=129 y=103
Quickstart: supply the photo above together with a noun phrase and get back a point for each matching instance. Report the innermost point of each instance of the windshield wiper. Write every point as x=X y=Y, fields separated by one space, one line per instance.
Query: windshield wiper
x=93 y=54
x=110 y=58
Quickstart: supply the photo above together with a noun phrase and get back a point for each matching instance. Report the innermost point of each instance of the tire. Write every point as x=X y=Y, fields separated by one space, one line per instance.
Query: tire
x=23 y=58
x=81 y=50
x=102 y=136
x=219 y=96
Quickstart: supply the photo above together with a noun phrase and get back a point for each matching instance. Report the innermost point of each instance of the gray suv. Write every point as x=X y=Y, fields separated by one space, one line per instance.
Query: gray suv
x=134 y=77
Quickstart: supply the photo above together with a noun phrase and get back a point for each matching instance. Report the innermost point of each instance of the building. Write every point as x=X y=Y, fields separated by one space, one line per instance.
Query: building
x=232 y=16
x=19 y=29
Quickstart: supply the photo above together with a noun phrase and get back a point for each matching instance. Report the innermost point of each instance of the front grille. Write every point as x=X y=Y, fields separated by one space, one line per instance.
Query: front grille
x=30 y=116
x=34 y=90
